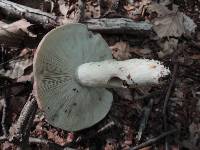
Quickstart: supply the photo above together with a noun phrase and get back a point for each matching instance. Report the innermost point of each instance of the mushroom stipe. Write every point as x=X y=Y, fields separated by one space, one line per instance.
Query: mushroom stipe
x=72 y=69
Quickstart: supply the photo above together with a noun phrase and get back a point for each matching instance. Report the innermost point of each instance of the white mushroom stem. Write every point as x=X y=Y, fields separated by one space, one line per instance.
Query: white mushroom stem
x=125 y=74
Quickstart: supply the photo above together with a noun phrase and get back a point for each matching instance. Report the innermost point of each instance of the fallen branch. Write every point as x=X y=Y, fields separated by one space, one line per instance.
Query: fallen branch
x=51 y=144
x=33 y=15
x=118 y=26
x=154 y=140
x=102 y=25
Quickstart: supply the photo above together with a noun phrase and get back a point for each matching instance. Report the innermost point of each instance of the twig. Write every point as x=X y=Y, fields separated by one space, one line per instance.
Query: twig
x=175 y=70
x=100 y=131
x=3 y=120
x=51 y=144
x=147 y=111
x=154 y=140
x=4 y=94
x=106 y=127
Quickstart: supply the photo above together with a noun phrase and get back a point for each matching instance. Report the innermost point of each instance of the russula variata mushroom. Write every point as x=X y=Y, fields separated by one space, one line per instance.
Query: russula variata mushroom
x=72 y=68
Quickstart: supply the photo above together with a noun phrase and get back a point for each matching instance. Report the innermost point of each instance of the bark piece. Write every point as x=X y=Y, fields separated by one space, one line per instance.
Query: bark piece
x=118 y=26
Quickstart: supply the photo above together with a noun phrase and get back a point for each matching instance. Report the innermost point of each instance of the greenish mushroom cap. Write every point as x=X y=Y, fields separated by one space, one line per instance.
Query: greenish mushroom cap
x=67 y=104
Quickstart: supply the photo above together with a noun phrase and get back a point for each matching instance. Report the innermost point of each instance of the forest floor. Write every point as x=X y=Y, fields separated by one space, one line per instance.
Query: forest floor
x=164 y=117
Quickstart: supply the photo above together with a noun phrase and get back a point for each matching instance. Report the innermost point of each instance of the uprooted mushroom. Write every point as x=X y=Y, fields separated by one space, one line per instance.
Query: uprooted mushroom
x=72 y=69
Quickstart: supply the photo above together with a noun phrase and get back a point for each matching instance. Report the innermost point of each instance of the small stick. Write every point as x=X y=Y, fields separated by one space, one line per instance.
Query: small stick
x=51 y=144
x=4 y=93
x=154 y=140
x=3 y=120
x=100 y=131
x=147 y=111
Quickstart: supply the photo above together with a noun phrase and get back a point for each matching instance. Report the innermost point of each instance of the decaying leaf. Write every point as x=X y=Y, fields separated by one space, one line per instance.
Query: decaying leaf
x=192 y=143
x=14 y=33
x=16 y=67
x=189 y=25
x=159 y=9
x=170 y=25
x=120 y=51
x=111 y=144
x=170 y=22
x=168 y=47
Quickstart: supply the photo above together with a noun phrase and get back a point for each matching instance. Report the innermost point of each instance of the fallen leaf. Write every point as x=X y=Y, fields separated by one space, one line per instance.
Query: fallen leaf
x=121 y=51
x=169 y=25
x=13 y=34
x=111 y=144
x=189 y=25
x=170 y=22
x=17 y=68
x=160 y=10
x=129 y=7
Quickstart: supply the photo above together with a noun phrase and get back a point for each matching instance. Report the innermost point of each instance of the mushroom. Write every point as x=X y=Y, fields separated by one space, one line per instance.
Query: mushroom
x=72 y=69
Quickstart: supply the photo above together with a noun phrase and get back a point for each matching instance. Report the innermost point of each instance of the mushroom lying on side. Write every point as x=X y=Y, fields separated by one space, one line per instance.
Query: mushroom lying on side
x=72 y=68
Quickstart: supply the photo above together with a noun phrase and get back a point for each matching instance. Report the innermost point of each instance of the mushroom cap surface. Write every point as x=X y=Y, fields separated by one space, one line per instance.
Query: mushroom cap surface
x=67 y=104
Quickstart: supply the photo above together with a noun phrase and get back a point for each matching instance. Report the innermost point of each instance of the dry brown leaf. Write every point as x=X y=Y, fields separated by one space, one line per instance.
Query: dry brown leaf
x=170 y=25
x=160 y=10
x=170 y=22
x=129 y=7
x=146 y=148
x=111 y=144
x=195 y=56
x=16 y=68
x=13 y=34
x=121 y=51
x=26 y=78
